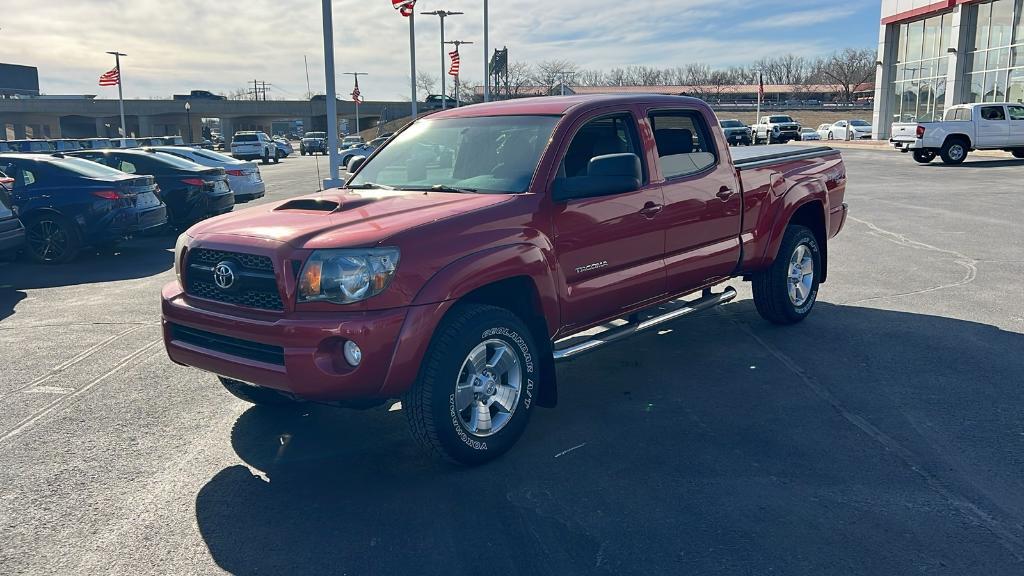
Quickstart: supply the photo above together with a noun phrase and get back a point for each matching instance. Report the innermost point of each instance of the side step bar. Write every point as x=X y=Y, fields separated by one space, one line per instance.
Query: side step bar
x=707 y=301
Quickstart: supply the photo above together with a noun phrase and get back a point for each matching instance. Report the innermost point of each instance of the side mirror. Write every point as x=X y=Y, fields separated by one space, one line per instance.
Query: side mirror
x=606 y=175
x=355 y=163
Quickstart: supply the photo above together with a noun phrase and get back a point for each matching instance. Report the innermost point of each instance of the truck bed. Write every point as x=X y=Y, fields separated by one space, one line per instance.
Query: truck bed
x=759 y=156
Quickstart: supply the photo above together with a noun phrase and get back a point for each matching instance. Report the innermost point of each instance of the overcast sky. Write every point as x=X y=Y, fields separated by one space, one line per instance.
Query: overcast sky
x=220 y=45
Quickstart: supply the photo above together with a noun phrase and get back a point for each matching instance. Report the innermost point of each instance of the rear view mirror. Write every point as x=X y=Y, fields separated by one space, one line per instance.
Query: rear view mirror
x=606 y=175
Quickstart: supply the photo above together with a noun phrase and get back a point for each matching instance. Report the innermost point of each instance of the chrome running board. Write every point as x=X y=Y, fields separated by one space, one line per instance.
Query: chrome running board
x=708 y=300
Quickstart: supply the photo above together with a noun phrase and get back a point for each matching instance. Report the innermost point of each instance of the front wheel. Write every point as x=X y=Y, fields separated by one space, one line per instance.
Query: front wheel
x=255 y=394
x=785 y=293
x=830 y=136
x=1019 y=153
x=924 y=156
x=476 y=387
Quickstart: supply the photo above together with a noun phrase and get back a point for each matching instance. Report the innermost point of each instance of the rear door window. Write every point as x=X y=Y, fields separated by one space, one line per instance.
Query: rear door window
x=995 y=113
x=684 y=143
x=1016 y=112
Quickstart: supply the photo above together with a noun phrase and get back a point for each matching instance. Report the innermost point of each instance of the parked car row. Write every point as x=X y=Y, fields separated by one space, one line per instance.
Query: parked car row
x=51 y=145
x=782 y=128
x=53 y=205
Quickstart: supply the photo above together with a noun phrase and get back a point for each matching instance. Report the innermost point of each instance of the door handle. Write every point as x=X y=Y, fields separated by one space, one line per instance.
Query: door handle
x=724 y=193
x=650 y=209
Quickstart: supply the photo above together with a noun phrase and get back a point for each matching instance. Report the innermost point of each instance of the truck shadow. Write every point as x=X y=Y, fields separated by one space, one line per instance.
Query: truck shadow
x=980 y=163
x=717 y=441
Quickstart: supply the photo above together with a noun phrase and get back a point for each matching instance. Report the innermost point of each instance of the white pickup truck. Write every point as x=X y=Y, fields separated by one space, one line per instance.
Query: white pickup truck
x=966 y=127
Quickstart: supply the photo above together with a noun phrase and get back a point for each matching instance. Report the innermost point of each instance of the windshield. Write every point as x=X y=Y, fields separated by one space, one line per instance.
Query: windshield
x=777 y=119
x=495 y=154
x=88 y=168
x=731 y=124
x=859 y=123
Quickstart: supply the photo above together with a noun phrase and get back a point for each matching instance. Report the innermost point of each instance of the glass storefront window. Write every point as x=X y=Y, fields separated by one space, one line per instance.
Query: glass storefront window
x=919 y=77
x=997 y=32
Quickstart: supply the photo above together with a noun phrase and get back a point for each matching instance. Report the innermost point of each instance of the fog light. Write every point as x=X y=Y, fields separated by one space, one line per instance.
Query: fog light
x=353 y=355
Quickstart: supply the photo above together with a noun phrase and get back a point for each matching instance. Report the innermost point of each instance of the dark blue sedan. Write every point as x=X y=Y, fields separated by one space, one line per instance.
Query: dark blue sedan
x=68 y=203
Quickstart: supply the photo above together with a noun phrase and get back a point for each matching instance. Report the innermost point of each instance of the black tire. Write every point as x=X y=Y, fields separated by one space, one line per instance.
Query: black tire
x=1019 y=153
x=954 y=151
x=266 y=157
x=430 y=405
x=830 y=136
x=52 y=239
x=771 y=287
x=255 y=394
x=924 y=156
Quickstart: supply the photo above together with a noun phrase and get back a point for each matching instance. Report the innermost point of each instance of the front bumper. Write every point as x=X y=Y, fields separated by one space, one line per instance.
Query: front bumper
x=301 y=354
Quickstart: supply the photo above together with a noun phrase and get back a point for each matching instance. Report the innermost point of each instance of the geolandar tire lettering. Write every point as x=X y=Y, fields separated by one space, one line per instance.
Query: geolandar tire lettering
x=476 y=387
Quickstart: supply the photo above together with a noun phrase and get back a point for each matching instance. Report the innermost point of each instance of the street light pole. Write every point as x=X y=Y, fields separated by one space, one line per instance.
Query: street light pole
x=120 y=93
x=332 y=103
x=442 y=14
x=487 y=55
x=188 y=120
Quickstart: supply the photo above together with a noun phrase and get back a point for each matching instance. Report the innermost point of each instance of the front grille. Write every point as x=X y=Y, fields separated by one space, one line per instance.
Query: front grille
x=212 y=257
x=228 y=345
x=254 y=286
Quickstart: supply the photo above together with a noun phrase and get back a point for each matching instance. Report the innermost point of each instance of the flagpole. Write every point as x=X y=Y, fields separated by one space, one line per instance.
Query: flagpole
x=332 y=103
x=120 y=93
x=760 y=89
x=412 y=60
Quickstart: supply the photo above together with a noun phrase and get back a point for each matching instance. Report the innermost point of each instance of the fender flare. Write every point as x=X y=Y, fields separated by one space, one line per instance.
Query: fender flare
x=796 y=197
x=458 y=279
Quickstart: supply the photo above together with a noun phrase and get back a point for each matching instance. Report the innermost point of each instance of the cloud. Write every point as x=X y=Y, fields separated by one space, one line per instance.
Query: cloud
x=175 y=46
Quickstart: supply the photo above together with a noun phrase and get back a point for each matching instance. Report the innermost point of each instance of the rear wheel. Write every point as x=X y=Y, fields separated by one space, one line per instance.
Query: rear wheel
x=277 y=156
x=266 y=157
x=924 y=156
x=785 y=293
x=954 y=151
x=473 y=397
x=52 y=239
x=255 y=394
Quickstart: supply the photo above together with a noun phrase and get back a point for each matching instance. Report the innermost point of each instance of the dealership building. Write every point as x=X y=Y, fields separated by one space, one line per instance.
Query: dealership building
x=935 y=54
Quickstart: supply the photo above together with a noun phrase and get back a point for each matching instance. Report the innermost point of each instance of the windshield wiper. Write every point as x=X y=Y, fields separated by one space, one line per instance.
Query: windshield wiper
x=368 y=186
x=439 y=188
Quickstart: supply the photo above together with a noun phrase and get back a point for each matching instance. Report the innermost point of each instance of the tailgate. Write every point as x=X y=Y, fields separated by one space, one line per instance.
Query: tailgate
x=904 y=132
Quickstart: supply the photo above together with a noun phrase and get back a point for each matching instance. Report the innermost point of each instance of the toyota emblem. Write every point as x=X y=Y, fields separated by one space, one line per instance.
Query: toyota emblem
x=224 y=275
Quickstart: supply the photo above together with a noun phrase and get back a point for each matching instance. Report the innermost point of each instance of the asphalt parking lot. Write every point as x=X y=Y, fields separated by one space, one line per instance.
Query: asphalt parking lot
x=885 y=435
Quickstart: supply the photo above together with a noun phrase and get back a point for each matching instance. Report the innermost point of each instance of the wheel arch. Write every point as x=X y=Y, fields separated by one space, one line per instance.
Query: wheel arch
x=515 y=277
x=958 y=136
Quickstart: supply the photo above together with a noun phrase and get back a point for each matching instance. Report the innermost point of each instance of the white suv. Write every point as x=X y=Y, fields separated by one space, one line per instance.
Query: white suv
x=254 y=146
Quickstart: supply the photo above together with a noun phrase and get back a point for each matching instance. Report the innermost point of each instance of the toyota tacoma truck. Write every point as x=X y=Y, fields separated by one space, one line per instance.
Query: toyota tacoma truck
x=480 y=245
x=966 y=127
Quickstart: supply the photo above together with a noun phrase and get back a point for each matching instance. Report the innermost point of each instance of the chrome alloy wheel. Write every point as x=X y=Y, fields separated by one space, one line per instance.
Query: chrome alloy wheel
x=488 y=387
x=801 y=275
x=956 y=152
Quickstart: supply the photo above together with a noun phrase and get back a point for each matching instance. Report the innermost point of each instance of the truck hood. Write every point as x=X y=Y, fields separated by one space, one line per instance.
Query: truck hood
x=342 y=218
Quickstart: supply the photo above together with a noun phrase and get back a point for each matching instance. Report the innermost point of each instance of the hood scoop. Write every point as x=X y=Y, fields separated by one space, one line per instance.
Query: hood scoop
x=309 y=205
x=325 y=205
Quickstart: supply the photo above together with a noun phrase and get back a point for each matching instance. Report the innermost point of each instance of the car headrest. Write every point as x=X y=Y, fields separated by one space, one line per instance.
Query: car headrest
x=672 y=141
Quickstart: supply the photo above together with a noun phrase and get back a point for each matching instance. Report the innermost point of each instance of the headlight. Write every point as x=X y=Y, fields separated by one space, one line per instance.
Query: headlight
x=348 y=275
x=179 y=247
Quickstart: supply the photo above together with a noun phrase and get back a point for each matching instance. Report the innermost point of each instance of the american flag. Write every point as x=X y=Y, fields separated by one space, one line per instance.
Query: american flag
x=760 y=86
x=356 y=96
x=454 y=70
x=112 y=78
x=404 y=7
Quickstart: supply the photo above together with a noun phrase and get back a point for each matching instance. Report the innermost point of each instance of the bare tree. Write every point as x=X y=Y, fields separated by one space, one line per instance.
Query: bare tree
x=847 y=69
x=591 y=78
x=551 y=72
x=238 y=94
x=426 y=83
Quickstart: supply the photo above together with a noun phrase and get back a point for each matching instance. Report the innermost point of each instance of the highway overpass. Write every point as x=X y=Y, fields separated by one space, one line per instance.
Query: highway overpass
x=87 y=117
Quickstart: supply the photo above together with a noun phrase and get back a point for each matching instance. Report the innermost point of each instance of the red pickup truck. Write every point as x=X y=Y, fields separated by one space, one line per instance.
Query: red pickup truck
x=477 y=246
